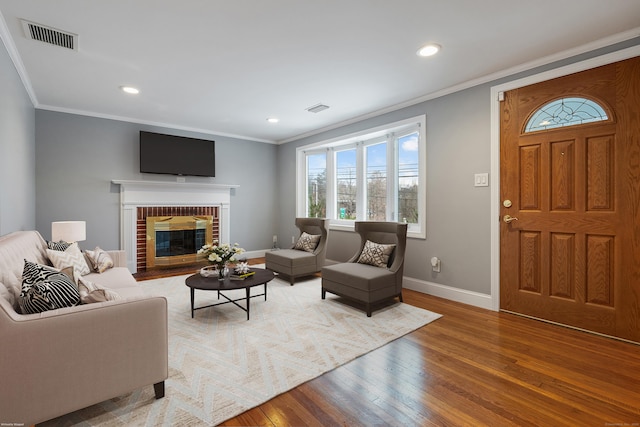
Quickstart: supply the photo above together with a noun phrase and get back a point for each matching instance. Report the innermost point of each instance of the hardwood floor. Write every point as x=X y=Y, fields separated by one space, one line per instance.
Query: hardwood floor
x=472 y=367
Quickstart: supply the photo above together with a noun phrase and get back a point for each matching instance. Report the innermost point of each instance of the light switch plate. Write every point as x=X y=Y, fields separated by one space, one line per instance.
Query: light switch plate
x=481 y=180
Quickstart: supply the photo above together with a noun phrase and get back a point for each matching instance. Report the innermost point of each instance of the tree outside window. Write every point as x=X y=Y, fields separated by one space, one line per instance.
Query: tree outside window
x=376 y=168
x=317 y=185
x=346 y=184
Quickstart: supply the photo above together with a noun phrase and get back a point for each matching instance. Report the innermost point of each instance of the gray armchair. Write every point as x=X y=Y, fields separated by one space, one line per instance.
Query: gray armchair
x=295 y=263
x=362 y=281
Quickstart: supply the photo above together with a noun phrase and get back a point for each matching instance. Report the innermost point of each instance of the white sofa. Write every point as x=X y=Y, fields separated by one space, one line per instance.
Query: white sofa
x=59 y=361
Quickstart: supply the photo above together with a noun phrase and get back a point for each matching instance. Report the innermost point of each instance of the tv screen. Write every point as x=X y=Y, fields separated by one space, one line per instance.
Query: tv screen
x=176 y=155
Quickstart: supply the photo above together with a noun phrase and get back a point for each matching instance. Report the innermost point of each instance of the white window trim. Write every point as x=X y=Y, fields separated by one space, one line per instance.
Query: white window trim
x=415 y=231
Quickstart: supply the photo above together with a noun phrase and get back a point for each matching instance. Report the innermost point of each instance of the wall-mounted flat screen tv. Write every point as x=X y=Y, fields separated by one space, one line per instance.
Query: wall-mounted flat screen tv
x=176 y=155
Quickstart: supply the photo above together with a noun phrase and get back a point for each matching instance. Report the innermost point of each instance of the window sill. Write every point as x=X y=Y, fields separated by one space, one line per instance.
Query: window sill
x=349 y=226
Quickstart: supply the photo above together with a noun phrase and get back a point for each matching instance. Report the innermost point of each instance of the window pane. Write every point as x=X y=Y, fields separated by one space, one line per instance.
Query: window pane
x=408 y=159
x=317 y=185
x=565 y=112
x=346 y=184
x=377 y=182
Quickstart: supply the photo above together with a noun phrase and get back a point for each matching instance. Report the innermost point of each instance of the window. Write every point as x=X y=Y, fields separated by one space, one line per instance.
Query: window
x=565 y=112
x=375 y=175
x=317 y=185
x=408 y=177
x=346 y=184
x=376 y=170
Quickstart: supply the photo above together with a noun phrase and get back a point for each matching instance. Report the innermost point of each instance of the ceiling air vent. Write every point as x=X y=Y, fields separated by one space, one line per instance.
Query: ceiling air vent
x=50 y=35
x=317 y=108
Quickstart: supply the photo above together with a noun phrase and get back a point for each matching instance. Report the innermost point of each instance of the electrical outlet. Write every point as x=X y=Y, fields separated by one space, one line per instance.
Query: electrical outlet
x=435 y=264
x=275 y=239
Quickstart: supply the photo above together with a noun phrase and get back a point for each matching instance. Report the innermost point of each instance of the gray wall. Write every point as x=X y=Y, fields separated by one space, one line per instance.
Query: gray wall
x=17 y=151
x=458 y=133
x=78 y=156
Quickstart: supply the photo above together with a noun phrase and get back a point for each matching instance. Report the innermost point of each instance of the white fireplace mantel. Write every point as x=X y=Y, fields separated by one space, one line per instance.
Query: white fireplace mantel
x=134 y=194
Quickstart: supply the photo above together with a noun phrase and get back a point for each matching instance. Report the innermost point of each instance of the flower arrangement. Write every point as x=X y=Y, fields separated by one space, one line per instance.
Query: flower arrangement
x=220 y=255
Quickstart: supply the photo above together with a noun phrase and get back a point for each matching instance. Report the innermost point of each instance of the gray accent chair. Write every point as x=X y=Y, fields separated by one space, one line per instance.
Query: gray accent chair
x=367 y=283
x=295 y=263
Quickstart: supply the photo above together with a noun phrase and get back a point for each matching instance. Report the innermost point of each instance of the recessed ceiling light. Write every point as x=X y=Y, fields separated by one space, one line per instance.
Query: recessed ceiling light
x=428 y=49
x=273 y=120
x=130 y=89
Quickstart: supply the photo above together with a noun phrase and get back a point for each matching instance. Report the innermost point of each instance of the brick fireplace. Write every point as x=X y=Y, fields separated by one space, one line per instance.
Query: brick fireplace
x=146 y=242
x=141 y=199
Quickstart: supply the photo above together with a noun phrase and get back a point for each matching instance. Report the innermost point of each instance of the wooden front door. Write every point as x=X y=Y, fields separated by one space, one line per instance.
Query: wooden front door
x=572 y=256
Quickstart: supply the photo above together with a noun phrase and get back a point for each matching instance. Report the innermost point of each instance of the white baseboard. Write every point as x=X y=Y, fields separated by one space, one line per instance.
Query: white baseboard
x=454 y=294
x=254 y=254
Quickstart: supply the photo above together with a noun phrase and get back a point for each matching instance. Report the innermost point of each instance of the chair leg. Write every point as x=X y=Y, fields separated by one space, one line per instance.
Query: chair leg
x=368 y=310
x=158 y=388
x=400 y=296
x=324 y=293
x=291 y=280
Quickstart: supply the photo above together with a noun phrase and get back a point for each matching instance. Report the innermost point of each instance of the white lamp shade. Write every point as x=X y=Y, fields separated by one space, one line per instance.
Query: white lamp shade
x=69 y=231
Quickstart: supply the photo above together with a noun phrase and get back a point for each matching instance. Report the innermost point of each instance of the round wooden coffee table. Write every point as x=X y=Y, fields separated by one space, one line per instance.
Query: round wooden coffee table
x=196 y=281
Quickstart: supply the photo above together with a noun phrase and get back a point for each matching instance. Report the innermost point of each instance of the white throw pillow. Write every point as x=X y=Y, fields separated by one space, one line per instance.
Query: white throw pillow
x=92 y=292
x=70 y=257
x=100 y=259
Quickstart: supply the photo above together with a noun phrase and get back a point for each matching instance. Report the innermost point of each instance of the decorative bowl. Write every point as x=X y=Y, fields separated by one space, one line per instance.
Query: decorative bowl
x=209 y=271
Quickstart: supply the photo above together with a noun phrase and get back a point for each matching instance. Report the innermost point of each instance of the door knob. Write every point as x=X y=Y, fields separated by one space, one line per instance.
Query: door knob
x=508 y=218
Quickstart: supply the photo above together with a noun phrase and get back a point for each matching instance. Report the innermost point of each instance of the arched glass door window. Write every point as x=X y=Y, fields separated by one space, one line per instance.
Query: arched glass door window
x=565 y=112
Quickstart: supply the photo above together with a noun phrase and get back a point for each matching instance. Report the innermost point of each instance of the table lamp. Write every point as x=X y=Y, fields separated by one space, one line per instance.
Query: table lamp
x=68 y=231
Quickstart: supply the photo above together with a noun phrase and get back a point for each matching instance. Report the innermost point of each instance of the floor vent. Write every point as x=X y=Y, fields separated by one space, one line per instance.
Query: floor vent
x=50 y=35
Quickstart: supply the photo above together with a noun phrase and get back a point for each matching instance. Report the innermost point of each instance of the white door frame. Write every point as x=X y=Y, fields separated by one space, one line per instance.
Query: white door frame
x=496 y=95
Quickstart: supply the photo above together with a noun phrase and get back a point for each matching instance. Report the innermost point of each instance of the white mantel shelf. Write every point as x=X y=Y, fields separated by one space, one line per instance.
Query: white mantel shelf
x=134 y=194
x=141 y=185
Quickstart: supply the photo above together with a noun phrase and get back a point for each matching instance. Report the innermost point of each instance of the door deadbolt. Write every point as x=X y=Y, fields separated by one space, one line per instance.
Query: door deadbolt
x=507 y=203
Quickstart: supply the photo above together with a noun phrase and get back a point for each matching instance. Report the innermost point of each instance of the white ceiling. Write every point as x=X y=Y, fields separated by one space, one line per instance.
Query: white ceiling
x=223 y=67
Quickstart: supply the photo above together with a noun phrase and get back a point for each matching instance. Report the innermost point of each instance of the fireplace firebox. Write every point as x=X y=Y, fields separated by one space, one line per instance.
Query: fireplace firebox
x=175 y=240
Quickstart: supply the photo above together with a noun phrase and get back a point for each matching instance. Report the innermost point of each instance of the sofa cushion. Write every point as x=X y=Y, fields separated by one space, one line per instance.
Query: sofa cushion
x=376 y=254
x=291 y=257
x=70 y=257
x=114 y=278
x=359 y=276
x=46 y=289
x=307 y=242
x=100 y=260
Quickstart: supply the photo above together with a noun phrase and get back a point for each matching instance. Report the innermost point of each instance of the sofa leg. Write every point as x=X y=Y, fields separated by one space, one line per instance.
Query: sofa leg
x=159 y=389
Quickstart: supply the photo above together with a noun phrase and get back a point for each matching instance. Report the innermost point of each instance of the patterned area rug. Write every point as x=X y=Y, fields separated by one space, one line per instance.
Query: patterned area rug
x=221 y=365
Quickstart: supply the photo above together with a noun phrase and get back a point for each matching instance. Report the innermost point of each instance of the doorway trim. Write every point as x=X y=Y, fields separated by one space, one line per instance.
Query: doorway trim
x=496 y=96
